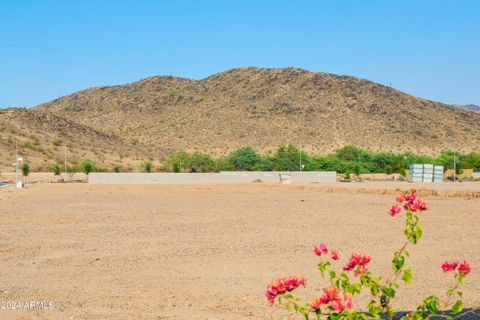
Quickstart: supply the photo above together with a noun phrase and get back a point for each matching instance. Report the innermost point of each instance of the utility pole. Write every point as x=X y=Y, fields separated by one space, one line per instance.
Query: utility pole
x=65 y=161
x=454 y=163
x=300 y=160
x=16 y=163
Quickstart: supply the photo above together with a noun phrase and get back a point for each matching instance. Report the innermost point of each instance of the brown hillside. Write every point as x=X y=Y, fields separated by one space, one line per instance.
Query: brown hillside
x=41 y=138
x=264 y=108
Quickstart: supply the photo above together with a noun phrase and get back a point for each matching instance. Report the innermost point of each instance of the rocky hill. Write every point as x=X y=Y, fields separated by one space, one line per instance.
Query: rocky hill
x=471 y=107
x=262 y=108
x=42 y=136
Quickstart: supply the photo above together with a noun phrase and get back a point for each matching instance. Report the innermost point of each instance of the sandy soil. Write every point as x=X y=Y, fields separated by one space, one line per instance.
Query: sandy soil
x=208 y=252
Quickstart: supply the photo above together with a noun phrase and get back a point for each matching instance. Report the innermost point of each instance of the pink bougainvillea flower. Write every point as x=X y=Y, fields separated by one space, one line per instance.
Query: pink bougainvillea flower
x=357 y=262
x=331 y=296
x=394 y=210
x=447 y=267
x=320 y=250
x=412 y=203
x=338 y=305
x=411 y=197
x=316 y=304
x=464 y=268
x=416 y=205
x=284 y=285
x=335 y=255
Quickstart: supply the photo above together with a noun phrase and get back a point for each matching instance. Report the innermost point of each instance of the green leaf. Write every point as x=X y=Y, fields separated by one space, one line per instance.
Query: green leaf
x=418 y=232
x=457 y=307
x=431 y=303
x=389 y=292
x=449 y=292
x=407 y=276
x=397 y=263
x=373 y=310
x=332 y=274
x=375 y=290
x=357 y=287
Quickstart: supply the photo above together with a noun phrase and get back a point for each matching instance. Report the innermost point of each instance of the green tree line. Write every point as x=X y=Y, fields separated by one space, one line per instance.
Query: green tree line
x=349 y=159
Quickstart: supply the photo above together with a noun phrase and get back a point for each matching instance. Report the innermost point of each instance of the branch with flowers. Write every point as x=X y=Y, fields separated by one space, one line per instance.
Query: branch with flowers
x=338 y=296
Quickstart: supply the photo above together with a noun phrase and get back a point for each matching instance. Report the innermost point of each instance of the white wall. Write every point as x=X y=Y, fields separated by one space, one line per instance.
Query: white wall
x=206 y=178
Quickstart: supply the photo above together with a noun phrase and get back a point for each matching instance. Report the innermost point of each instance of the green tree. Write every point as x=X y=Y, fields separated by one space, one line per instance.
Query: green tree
x=244 y=159
x=25 y=169
x=146 y=166
x=471 y=161
x=287 y=158
x=266 y=163
x=88 y=166
x=447 y=159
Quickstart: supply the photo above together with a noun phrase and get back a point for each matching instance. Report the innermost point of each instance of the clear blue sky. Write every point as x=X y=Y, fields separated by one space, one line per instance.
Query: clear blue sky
x=52 y=48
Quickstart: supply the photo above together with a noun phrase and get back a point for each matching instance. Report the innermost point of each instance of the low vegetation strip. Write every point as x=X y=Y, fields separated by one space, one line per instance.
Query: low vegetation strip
x=347 y=160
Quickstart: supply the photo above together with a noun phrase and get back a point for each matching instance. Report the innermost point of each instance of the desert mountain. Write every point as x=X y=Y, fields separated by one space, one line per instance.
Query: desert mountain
x=262 y=108
x=42 y=136
x=471 y=107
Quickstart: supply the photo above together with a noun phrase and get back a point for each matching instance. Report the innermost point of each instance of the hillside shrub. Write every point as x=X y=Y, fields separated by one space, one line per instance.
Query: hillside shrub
x=146 y=166
x=201 y=162
x=57 y=169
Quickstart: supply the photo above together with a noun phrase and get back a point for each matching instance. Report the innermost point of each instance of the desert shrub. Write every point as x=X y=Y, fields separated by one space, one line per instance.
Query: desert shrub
x=244 y=159
x=146 y=166
x=189 y=162
x=175 y=168
x=222 y=164
x=25 y=169
x=57 y=169
x=116 y=168
x=338 y=300
x=200 y=162
x=88 y=166
x=179 y=162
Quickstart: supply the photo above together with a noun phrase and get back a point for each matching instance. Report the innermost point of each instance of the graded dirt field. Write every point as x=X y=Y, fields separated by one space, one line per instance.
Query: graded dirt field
x=208 y=252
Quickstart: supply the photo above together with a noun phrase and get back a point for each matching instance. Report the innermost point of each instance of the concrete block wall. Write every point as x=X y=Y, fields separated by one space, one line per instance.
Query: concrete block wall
x=207 y=178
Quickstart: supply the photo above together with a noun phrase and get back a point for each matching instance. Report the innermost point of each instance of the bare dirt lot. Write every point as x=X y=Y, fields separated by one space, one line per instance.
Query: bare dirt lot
x=208 y=252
